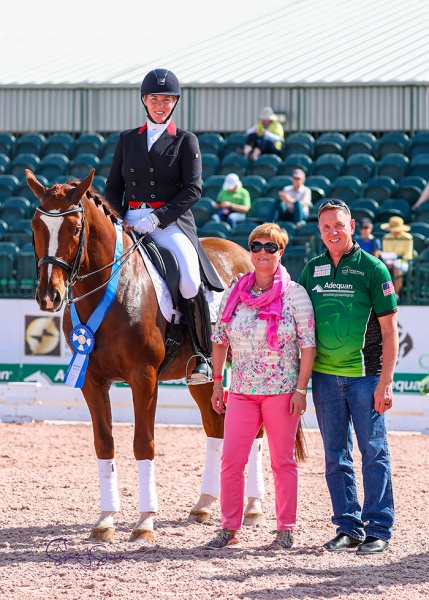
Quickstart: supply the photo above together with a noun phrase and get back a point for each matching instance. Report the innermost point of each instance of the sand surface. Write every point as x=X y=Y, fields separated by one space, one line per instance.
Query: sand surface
x=49 y=491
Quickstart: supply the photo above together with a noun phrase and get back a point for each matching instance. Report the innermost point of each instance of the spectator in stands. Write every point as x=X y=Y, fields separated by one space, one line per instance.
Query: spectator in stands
x=397 y=249
x=366 y=240
x=233 y=201
x=266 y=137
x=295 y=199
x=424 y=196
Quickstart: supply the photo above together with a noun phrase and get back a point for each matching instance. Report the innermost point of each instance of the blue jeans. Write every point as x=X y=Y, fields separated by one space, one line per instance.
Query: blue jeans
x=339 y=402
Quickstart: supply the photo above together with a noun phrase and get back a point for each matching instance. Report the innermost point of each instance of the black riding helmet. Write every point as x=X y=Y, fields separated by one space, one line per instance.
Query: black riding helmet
x=160 y=81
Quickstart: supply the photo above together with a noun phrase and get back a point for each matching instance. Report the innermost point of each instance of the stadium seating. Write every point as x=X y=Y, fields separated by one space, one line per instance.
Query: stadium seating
x=394 y=165
x=233 y=142
x=109 y=144
x=419 y=165
x=263 y=210
x=409 y=188
x=255 y=185
x=31 y=143
x=419 y=144
x=52 y=166
x=211 y=143
x=299 y=143
x=212 y=186
x=210 y=164
x=393 y=142
x=8 y=186
x=329 y=165
x=346 y=187
x=330 y=143
x=7 y=144
x=360 y=165
x=59 y=143
x=23 y=161
x=380 y=188
x=392 y=207
x=81 y=165
x=214 y=229
x=362 y=142
x=276 y=184
x=88 y=143
x=233 y=163
x=296 y=161
x=4 y=164
x=267 y=166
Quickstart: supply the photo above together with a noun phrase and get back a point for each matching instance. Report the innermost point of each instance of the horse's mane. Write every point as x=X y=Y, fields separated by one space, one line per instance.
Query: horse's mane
x=98 y=200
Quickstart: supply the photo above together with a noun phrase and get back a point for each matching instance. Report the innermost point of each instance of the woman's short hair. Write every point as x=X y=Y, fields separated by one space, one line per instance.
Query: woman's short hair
x=270 y=231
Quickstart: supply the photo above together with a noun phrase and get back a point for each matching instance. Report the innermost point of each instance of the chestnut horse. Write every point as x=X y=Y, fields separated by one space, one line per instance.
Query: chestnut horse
x=74 y=241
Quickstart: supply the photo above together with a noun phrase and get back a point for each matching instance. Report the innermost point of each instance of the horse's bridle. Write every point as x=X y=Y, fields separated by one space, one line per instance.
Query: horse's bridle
x=72 y=268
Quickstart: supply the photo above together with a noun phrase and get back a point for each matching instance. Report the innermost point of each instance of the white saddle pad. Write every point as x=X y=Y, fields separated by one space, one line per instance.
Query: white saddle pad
x=164 y=297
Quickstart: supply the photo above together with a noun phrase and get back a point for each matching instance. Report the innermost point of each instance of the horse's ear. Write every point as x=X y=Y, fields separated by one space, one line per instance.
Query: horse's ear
x=81 y=189
x=38 y=189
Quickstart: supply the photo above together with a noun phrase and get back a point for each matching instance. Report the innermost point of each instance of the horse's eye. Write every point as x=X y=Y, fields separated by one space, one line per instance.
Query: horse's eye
x=77 y=231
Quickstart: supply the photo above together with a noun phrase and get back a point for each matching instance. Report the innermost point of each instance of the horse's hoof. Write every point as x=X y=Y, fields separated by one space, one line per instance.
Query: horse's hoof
x=254 y=520
x=142 y=535
x=199 y=516
x=102 y=534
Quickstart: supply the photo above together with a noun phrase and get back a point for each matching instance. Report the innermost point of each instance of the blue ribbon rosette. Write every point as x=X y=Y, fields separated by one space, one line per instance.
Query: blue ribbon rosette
x=82 y=336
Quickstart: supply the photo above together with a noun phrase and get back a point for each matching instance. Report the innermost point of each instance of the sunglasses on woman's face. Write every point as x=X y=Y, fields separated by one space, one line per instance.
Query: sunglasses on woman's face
x=269 y=247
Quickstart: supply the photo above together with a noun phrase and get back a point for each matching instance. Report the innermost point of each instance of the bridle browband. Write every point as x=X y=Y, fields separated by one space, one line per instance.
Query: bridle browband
x=73 y=268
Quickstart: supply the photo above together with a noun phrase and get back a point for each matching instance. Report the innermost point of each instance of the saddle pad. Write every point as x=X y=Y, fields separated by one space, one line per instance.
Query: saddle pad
x=164 y=297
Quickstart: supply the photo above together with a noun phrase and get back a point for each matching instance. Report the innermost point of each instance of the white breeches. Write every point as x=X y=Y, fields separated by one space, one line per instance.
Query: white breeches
x=173 y=238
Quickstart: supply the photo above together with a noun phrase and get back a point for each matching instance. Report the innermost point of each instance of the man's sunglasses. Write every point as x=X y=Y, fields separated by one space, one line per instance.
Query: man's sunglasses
x=269 y=247
x=333 y=202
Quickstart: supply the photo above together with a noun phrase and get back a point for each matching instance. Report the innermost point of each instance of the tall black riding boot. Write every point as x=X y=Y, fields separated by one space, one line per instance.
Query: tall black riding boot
x=197 y=315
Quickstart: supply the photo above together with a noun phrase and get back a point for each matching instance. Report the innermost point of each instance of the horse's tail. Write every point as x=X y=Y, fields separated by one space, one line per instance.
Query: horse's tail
x=300 y=445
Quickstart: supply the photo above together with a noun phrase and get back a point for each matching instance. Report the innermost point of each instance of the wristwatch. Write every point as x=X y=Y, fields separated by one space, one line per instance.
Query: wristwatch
x=303 y=392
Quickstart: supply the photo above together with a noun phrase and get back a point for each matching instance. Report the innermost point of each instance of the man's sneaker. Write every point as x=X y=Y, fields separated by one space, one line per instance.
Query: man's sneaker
x=283 y=540
x=225 y=539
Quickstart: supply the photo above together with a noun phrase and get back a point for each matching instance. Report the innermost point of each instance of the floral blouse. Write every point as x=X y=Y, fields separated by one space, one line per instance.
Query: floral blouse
x=255 y=368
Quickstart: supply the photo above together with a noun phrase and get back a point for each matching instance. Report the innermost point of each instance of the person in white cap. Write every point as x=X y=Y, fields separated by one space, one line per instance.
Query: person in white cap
x=397 y=249
x=266 y=137
x=233 y=201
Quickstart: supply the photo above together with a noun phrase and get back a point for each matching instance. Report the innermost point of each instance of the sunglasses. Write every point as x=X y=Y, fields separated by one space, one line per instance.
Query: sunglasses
x=333 y=202
x=269 y=247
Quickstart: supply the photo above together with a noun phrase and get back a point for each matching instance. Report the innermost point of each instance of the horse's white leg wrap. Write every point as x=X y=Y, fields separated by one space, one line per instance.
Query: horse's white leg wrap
x=108 y=478
x=148 y=501
x=255 y=487
x=211 y=476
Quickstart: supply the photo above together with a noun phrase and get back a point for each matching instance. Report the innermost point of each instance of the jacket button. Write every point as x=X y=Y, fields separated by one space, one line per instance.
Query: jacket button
x=152 y=195
x=131 y=170
x=133 y=183
x=152 y=183
x=133 y=197
x=151 y=170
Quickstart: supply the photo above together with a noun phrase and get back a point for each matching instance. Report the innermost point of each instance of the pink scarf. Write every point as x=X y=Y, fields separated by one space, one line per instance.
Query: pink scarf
x=270 y=303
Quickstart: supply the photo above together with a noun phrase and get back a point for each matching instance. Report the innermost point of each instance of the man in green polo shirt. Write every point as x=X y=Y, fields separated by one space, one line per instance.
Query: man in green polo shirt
x=357 y=347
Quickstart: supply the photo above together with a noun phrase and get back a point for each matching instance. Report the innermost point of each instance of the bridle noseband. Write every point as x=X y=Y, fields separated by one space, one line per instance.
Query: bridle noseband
x=72 y=268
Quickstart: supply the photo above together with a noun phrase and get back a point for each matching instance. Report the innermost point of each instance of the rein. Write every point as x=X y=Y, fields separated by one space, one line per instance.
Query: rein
x=73 y=268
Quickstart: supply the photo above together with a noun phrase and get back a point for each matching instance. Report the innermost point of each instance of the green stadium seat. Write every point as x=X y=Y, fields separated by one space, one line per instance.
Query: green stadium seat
x=211 y=143
x=99 y=183
x=276 y=184
x=360 y=165
x=409 y=188
x=52 y=166
x=346 y=187
x=31 y=143
x=419 y=166
x=394 y=206
x=104 y=165
x=419 y=144
x=300 y=142
x=110 y=144
x=88 y=143
x=4 y=164
x=23 y=161
x=7 y=144
x=296 y=161
x=380 y=188
x=212 y=186
x=330 y=143
x=393 y=142
x=233 y=142
x=393 y=165
x=263 y=210
x=267 y=166
x=210 y=164
x=329 y=165
x=80 y=166
x=233 y=163
x=59 y=143
x=361 y=142
x=214 y=229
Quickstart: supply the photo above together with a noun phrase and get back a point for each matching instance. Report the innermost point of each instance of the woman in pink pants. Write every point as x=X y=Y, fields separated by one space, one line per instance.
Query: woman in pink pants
x=268 y=322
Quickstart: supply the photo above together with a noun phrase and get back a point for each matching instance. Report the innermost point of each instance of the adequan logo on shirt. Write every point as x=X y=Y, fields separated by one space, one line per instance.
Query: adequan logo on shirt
x=322 y=270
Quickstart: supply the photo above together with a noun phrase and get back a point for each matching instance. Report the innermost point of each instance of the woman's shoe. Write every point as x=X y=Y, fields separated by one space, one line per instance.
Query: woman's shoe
x=226 y=538
x=283 y=540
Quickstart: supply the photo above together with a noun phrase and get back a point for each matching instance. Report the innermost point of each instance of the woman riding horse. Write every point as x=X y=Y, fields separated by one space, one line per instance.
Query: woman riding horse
x=154 y=180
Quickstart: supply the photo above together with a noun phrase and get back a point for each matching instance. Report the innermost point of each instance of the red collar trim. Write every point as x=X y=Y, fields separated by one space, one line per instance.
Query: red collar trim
x=171 y=129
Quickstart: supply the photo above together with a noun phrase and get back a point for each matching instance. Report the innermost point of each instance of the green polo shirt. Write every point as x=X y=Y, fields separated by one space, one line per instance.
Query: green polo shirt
x=347 y=300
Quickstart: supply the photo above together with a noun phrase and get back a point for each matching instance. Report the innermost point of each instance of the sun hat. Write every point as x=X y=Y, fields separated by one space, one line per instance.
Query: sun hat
x=231 y=181
x=395 y=224
x=267 y=113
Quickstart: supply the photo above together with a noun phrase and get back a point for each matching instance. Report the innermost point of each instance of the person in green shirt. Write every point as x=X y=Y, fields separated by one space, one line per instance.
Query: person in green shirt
x=355 y=309
x=233 y=201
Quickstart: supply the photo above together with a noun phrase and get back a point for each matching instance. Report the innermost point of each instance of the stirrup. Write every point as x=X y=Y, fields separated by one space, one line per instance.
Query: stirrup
x=195 y=379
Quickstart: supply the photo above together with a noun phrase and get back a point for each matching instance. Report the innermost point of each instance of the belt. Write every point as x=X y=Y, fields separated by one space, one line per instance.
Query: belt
x=135 y=205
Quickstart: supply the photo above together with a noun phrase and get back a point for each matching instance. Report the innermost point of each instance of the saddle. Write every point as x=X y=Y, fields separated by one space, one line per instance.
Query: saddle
x=167 y=266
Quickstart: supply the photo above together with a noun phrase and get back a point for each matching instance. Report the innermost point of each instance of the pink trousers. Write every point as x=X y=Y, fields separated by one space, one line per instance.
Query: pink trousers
x=243 y=418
